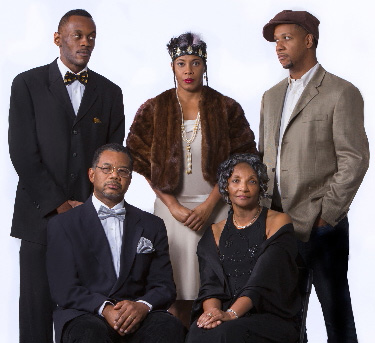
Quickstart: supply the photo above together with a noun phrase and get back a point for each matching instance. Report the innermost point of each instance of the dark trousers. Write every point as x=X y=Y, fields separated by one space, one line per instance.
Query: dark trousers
x=35 y=304
x=157 y=327
x=257 y=328
x=327 y=254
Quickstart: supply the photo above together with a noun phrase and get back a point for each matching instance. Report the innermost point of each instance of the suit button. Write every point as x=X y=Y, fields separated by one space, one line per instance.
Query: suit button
x=72 y=175
x=75 y=132
x=74 y=154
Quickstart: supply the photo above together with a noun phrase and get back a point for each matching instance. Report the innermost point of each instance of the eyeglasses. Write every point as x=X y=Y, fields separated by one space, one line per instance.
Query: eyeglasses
x=122 y=171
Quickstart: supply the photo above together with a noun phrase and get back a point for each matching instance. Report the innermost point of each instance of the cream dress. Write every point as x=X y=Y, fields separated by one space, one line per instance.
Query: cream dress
x=182 y=240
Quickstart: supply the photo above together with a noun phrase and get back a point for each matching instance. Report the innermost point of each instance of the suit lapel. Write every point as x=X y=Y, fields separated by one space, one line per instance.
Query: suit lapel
x=277 y=109
x=97 y=240
x=131 y=235
x=309 y=93
x=58 y=89
x=89 y=96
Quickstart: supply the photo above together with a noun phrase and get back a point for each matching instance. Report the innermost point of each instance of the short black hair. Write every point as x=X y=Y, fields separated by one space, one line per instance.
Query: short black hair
x=67 y=15
x=111 y=147
x=226 y=170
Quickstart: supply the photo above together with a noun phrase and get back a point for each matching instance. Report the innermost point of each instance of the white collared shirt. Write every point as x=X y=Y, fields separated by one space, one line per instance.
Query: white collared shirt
x=293 y=94
x=113 y=228
x=75 y=89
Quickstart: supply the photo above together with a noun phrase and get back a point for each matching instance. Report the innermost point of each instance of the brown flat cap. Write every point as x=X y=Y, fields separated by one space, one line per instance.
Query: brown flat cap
x=301 y=18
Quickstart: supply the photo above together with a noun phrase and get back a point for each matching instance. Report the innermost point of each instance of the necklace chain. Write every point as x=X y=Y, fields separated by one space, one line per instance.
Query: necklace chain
x=190 y=140
x=251 y=221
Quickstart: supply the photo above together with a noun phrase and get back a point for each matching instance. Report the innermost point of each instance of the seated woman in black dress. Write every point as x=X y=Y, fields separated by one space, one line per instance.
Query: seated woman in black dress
x=248 y=269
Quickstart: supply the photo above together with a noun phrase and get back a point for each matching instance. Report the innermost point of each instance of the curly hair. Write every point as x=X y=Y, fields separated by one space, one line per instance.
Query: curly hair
x=226 y=170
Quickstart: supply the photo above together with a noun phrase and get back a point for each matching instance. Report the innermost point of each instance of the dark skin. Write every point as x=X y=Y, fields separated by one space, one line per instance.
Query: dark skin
x=296 y=51
x=243 y=189
x=76 y=40
x=189 y=71
x=124 y=317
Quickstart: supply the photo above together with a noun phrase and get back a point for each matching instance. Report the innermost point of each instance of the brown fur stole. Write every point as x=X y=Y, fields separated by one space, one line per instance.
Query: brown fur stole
x=155 y=139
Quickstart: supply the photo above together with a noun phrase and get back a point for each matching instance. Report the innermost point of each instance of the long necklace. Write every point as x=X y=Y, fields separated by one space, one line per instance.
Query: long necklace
x=251 y=221
x=190 y=140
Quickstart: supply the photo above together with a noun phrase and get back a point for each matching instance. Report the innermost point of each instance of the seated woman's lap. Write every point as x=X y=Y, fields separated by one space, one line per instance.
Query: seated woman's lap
x=258 y=328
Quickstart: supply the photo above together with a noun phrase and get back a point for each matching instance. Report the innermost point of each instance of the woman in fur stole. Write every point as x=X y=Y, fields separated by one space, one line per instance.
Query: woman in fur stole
x=178 y=139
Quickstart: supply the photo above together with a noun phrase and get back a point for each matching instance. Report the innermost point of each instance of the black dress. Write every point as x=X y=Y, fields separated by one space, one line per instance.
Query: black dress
x=248 y=264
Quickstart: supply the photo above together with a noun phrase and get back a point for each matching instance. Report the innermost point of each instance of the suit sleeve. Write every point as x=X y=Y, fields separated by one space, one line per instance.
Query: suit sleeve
x=117 y=122
x=25 y=152
x=242 y=139
x=160 y=288
x=65 y=286
x=352 y=155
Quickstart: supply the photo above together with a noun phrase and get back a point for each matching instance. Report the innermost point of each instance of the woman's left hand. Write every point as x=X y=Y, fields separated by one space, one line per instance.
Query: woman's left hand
x=198 y=216
x=212 y=318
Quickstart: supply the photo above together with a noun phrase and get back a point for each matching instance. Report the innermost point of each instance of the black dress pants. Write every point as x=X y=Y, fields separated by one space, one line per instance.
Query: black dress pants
x=326 y=253
x=35 y=304
x=157 y=327
x=257 y=328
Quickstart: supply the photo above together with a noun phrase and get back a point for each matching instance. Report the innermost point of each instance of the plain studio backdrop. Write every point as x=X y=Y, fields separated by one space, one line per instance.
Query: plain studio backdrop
x=131 y=51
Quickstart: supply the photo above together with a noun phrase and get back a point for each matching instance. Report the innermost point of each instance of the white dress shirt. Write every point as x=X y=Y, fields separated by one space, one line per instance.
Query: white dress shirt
x=75 y=89
x=293 y=93
x=114 y=230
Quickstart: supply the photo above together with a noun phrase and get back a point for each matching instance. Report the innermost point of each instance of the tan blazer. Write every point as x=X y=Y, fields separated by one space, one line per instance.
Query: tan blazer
x=324 y=153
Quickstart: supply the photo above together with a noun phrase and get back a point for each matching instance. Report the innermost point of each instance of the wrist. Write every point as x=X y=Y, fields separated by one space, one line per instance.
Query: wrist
x=107 y=307
x=233 y=314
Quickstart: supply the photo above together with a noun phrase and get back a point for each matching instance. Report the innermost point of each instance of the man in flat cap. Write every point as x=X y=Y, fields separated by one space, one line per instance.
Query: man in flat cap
x=313 y=142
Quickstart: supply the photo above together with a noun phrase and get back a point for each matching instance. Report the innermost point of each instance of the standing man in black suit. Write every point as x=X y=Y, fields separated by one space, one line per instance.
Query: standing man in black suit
x=59 y=115
x=108 y=264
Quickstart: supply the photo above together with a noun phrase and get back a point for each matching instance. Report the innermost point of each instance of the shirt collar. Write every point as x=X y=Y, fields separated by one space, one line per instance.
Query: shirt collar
x=63 y=68
x=305 y=79
x=97 y=203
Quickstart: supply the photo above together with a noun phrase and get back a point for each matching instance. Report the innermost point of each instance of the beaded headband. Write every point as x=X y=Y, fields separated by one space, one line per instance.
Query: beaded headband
x=187 y=44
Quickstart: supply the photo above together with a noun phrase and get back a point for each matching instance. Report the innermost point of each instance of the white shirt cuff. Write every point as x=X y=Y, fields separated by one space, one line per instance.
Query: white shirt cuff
x=146 y=303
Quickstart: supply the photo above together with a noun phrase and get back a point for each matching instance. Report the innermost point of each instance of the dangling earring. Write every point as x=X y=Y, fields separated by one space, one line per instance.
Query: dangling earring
x=206 y=77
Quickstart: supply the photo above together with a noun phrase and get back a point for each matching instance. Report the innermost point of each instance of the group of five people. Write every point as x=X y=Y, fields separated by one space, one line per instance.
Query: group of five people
x=112 y=269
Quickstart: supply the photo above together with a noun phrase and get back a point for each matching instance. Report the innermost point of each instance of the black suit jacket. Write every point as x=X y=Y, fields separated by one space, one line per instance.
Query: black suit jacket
x=80 y=268
x=51 y=148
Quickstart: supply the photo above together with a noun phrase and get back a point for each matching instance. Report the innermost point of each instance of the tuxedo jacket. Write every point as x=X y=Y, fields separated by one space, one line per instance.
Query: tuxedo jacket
x=51 y=148
x=324 y=150
x=80 y=268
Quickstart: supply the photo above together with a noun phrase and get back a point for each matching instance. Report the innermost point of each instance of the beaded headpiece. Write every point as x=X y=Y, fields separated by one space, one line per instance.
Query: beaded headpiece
x=187 y=44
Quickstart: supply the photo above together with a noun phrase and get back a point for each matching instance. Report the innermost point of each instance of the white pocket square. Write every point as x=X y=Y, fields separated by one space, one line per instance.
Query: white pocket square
x=145 y=246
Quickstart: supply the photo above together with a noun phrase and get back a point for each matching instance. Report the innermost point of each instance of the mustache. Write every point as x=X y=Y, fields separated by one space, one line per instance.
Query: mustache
x=113 y=183
x=86 y=51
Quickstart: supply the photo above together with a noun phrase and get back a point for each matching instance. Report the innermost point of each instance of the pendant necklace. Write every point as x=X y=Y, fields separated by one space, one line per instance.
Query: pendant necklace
x=251 y=221
x=190 y=140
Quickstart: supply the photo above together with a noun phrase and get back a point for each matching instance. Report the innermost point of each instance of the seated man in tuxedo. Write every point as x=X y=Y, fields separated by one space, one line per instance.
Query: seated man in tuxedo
x=108 y=264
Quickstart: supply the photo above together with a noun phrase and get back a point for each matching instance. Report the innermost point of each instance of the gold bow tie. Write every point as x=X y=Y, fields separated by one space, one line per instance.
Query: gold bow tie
x=69 y=78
